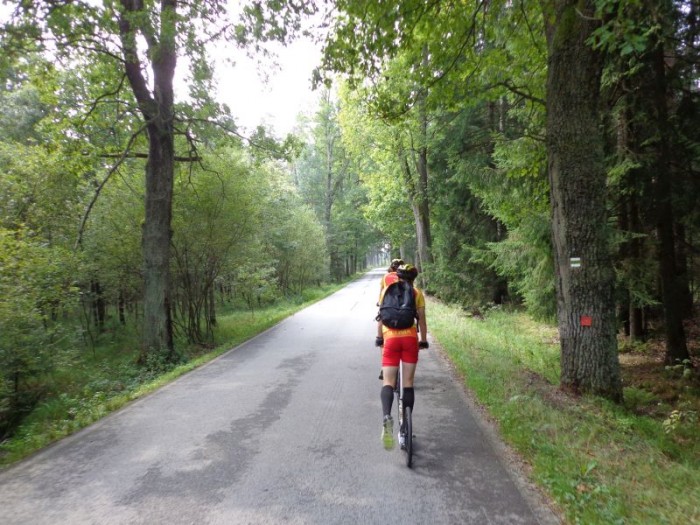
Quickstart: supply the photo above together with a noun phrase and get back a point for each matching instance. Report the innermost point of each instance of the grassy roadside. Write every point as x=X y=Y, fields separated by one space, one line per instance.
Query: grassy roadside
x=90 y=384
x=601 y=463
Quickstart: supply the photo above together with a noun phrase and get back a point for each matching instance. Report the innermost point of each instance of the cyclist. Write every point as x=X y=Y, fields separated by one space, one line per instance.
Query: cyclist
x=390 y=275
x=388 y=278
x=401 y=345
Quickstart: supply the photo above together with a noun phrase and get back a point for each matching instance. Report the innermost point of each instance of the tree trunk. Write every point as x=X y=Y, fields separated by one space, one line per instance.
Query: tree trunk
x=157 y=108
x=631 y=250
x=417 y=185
x=422 y=206
x=211 y=306
x=157 y=235
x=676 y=348
x=585 y=277
x=98 y=305
x=422 y=213
x=682 y=270
x=121 y=307
x=636 y=323
x=623 y=225
x=422 y=235
x=636 y=249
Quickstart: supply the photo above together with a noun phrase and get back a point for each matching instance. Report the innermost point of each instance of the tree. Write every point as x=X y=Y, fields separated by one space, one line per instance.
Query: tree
x=326 y=174
x=116 y=34
x=292 y=238
x=322 y=172
x=157 y=108
x=402 y=102
x=582 y=251
x=41 y=183
x=216 y=214
x=468 y=212
x=370 y=142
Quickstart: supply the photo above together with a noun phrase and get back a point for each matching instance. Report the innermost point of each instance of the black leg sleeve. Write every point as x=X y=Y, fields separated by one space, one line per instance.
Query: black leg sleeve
x=408 y=397
x=387 y=396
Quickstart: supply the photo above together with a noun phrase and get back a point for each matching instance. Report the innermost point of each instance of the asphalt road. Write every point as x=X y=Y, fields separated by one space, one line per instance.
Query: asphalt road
x=283 y=429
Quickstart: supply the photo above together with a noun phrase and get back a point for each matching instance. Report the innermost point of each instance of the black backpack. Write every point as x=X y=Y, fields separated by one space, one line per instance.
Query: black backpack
x=397 y=305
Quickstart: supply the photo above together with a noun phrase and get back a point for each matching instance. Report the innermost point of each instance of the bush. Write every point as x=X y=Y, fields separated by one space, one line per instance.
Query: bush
x=34 y=286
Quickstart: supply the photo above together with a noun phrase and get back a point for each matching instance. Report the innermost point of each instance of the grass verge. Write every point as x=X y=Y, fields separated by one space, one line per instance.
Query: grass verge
x=600 y=462
x=90 y=384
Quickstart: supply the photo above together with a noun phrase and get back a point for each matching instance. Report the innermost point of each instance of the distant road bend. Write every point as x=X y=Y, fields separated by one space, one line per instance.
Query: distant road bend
x=283 y=429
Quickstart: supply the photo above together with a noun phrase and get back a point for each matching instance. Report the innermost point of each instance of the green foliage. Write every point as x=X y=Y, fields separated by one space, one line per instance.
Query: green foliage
x=481 y=84
x=681 y=419
x=623 y=32
x=216 y=212
x=372 y=144
x=652 y=150
x=525 y=255
x=22 y=110
x=35 y=287
x=525 y=258
x=39 y=191
x=327 y=174
x=257 y=285
x=294 y=239
x=112 y=240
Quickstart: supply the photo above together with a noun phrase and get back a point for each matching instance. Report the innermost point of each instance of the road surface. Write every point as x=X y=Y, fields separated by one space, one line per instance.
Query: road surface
x=283 y=429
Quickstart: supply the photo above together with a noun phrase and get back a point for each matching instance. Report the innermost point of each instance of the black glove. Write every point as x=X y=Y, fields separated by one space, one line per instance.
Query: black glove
x=423 y=344
x=379 y=341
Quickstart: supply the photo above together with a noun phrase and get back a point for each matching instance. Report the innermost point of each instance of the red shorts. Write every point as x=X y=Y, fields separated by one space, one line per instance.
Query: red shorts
x=400 y=349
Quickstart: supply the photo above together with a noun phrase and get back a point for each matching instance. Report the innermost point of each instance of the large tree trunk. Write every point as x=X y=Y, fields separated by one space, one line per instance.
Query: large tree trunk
x=420 y=217
x=157 y=332
x=585 y=300
x=157 y=108
x=422 y=236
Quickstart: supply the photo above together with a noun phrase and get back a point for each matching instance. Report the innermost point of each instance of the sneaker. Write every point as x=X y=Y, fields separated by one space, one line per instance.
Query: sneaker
x=381 y=374
x=388 y=433
x=402 y=440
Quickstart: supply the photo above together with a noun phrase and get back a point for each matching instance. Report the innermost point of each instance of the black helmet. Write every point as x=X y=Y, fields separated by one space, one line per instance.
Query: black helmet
x=407 y=271
x=395 y=263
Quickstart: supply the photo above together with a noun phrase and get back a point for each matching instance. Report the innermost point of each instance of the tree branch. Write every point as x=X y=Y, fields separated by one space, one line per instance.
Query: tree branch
x=96 y=102
x=113 y=169
x=132 y=64
x=139 y=155
x=235 y=133
x=513 y=89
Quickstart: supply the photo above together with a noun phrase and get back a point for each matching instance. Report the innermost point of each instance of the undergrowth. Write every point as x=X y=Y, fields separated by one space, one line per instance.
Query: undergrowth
x=601 y=463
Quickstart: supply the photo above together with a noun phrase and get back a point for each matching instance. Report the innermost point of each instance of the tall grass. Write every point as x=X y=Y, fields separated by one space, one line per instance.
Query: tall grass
x=601 y=463
x=91 y=383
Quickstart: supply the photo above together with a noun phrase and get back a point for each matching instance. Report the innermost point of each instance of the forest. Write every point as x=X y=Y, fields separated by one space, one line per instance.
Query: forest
x=540 y=156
